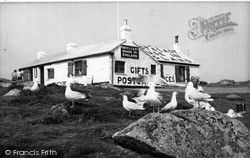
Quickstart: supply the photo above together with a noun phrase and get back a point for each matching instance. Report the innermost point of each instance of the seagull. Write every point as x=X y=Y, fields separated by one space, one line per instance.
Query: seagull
x=233 y=114
x=197 y=95
x=172 y=104
x=73 y=95
x=212 y=109
x=149 y=78
x=141 y=96
x=153 y=97
x=209 y=107
x=35 y=88
x=130 y=106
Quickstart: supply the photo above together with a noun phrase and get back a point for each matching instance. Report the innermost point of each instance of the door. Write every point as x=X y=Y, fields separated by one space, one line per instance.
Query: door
x=180 y=73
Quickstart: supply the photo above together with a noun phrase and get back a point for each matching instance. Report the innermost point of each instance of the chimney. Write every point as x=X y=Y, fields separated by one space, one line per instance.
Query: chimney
x=40 y=55
x=177 y=46
x=125 y=31
x=176 y=39
x=70 y=47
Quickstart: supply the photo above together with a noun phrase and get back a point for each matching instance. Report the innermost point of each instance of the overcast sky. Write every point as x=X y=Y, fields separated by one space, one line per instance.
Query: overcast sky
x=26 y=28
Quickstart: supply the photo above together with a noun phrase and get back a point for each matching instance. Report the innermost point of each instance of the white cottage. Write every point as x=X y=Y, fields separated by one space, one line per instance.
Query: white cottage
x=115 y=62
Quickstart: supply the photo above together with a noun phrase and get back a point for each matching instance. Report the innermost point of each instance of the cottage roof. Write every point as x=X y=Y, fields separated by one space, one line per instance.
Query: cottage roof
x=159 y=54
x=169 y=56
x=90 y=50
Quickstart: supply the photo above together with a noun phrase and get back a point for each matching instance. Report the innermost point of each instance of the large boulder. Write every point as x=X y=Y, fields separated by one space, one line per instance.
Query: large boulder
x=226 y=82
x=56 y=114
x=187 y=134
x=234 y=97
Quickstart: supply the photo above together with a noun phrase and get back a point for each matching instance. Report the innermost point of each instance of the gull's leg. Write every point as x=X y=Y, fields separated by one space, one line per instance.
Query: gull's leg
x=158 y=108
x=73 y=104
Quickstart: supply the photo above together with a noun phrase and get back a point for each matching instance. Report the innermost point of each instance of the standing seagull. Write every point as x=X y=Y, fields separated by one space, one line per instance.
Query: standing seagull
x=73 y=95
x=153 y=97
x=130 y=106
x=172 y=104
x=35 y=88
x=197 y=95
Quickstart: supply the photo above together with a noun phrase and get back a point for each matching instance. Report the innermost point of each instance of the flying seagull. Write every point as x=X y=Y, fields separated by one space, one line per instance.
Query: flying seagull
x=141 y=97
x=149 y=78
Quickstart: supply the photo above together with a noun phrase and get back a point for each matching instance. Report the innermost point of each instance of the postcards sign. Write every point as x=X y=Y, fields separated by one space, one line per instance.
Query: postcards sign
x=211 y=28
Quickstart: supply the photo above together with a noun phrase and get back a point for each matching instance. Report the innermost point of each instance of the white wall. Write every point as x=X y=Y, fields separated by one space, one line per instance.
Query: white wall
x=144 y=62
x=60 y=73
x=100 y=68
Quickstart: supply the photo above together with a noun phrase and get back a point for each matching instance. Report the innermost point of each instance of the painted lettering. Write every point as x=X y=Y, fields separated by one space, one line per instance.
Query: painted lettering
x=119 y=79
x=139 y=70
x=169 y=78
x=132 y=70
x=127 y=81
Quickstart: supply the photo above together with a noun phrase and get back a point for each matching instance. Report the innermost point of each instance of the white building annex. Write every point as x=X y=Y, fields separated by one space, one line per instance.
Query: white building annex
x=115 y=62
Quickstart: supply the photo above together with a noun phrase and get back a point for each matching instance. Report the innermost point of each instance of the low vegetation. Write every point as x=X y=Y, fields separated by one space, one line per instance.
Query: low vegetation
x=88 y=128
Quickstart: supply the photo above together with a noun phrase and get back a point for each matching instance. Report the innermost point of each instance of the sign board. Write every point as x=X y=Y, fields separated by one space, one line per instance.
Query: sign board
x=129 y=52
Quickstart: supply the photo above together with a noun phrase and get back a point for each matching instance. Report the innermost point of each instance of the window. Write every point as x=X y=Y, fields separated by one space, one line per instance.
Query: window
x=51 y=73
x=119 y=67
x=153 y=69
x=70 y=68
x=80 y=67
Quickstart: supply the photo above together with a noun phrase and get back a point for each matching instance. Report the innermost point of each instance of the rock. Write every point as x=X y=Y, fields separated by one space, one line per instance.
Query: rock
x=203 y=82
x=187 y=134
x=13 y=92
x=108 y=85
x=226 y=82
x=4 y=80
x=234 y=97
x=56 y=114
x=5 y=84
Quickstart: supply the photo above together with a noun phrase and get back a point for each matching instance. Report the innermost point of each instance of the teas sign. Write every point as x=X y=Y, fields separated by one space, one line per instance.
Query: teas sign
x=129 y=52
x=170 y=78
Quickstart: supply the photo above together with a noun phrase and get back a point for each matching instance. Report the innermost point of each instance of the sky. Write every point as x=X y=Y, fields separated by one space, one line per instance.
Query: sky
x=27 y=28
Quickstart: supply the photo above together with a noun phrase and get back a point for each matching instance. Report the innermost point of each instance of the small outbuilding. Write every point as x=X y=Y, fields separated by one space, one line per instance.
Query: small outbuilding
x=115 y=62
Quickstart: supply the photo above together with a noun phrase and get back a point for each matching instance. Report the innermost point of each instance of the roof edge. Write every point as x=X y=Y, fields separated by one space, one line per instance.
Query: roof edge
x=59 y=61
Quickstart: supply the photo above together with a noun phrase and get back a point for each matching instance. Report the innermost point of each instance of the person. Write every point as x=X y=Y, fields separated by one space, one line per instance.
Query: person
x=194 y=94
x=14 y=75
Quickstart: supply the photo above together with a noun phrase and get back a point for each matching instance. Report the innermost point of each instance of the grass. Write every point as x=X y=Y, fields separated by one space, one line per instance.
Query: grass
x=88 y=130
